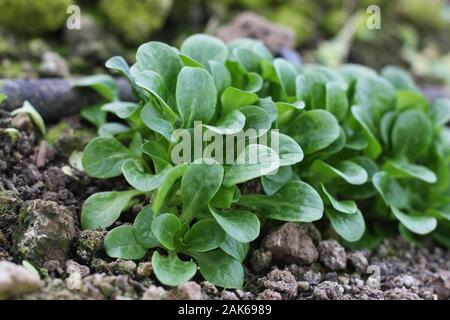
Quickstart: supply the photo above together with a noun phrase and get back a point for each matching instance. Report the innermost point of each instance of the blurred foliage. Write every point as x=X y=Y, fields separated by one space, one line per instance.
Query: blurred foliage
x=414 y=33
x=135 y=20
x=33 y=17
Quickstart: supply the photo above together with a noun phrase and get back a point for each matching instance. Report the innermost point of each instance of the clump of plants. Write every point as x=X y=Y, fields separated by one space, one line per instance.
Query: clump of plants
x=365 y=151
x=33 y=17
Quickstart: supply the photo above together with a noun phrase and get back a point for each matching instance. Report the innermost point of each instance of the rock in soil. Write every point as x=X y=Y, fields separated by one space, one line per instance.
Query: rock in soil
x=328 y=290
x=189 y=291
x=291 y=243
x=16 y=280
x=90 y=244
x=332 y=255
x=358 y=260
x=46 y=231
x=281 y=281
x=261 y=260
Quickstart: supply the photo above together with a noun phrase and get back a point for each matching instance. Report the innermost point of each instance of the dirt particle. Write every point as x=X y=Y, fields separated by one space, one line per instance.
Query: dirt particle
x=228 y=295
x=144 y=270
x=328 y=290
x=332 y=255
x=281 y=281
x=291 y=244
x=359 y=261
x=90 y=243
x=154 y=293
x=126 y=267
x=269 y=295
x=440 y=282
x=303 y=286
x=260 y=260
x=209 y=289
x=16 y=280
x=46 y=231
x=189 y=291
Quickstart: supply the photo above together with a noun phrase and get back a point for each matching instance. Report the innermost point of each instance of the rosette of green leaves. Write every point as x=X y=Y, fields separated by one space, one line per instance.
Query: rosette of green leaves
x=373 y=142
x=193 y=217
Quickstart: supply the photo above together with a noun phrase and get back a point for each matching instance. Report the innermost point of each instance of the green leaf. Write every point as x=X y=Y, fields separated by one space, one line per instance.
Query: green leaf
x=196 y=95
x=415 y=223
x=119 y=64
x=351 y=227
x=256 y=118
x=314 y=130
x=375 y=94
x=204 y=48
x=154 y=83
x=240 y=225
x=233 y=98
x=156 y=121
x=386 y=124
x=165 y=227
x=159 y=155
x=162 y=59
x=411 y=133
x=223 y=198
x=440 y=111
x=404 y=169
x=336 y=100
x=220 y=269
x=94 y=115
x=289 y=151
x=204 y=236
x=143 y=228
x=121 y=243
x=363 y=117
x=287 y=73
x=234 y=248
x=248 y=59
x=188 y=61
x=32 y=112
x=138 y=178
x=357 y=142
x=172 y=175
x=399 y=78
x=310 y=86
x=199 y=185
x=232 y=123
x=295 y=201
x=411 y=100
x=253 y=82
x=347 y=170
x=105 y=85
x=102 y=209
x=220 y=74
x=121 y=109
x=390 y=190
x=272 y=183
x=136 y=144
x=344 y=206
x=269 y=107
x=172 y=271
x=112 y=129
x=103 y=157
x=254 y=161
x=256 y=46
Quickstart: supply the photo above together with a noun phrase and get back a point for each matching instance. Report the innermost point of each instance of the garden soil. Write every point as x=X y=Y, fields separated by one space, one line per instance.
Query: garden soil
x=41 y=195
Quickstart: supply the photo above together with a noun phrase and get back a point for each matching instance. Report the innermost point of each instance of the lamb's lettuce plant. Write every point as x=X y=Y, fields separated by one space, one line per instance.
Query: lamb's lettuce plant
x=193 y=215
x=367 y=150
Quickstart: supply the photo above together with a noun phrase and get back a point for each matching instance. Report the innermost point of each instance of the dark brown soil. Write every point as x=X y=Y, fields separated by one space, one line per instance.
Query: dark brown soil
x=40 y=204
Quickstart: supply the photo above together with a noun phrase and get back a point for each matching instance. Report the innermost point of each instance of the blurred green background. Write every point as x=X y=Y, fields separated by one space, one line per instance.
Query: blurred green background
x=34 y=40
